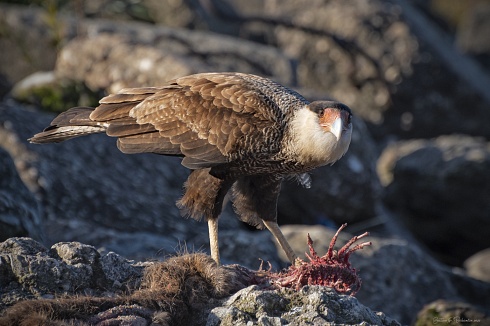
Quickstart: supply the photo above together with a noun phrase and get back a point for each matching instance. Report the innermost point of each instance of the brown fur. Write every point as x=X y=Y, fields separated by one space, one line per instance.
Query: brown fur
x=174 y=291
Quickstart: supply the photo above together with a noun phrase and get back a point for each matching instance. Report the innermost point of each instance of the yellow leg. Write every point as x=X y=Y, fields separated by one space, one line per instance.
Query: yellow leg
x=213 y=239
x=276 y=232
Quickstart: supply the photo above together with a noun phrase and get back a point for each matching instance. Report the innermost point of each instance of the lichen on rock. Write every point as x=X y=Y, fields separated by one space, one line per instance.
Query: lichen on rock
x=316 y=305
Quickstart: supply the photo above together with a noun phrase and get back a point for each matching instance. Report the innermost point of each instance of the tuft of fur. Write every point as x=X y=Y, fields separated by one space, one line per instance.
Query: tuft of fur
x=172 y=293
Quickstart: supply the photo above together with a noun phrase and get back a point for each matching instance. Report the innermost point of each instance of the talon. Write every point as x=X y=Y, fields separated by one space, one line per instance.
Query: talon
x=298 y=262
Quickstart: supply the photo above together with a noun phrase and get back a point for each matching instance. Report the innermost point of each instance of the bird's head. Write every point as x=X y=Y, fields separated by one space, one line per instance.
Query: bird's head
x=333 y=117
x=323 y=131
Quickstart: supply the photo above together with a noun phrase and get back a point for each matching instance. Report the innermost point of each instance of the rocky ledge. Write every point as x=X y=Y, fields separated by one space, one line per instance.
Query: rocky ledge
x=72 y=283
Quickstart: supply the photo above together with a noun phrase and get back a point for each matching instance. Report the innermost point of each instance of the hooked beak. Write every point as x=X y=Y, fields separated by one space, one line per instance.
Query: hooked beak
x=337 y=127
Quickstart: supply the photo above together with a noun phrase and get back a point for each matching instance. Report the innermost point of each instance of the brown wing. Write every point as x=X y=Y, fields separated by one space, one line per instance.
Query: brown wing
x=208 y=118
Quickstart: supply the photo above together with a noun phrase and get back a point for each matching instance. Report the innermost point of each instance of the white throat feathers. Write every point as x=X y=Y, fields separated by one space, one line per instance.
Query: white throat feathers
x=311 y=144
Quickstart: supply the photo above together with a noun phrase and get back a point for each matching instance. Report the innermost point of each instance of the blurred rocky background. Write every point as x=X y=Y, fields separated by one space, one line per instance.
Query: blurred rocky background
x=417 y=175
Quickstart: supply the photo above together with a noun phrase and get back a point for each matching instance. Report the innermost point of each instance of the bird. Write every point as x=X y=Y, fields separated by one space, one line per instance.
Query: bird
x=240 y=134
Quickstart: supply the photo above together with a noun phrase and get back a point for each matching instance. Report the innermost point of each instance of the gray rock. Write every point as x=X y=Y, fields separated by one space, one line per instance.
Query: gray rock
x=395 y=266
x=100 y=60
x=395 y=269
x=174 y=14
x=159 y=54
x=28 y=269
x=451 y=312
x=478 y=265
x=73 y=253
x=471 y=31
x=440 y=189
x=248 y=247
x=131 y=315
x=107 y=9
x=33 y=81
x=20 y=214
x=27 y=49
x=120 y=271
x=47 y=91
x=110 y=289
x=311 y=305
x=5 y=86
x=475 y=24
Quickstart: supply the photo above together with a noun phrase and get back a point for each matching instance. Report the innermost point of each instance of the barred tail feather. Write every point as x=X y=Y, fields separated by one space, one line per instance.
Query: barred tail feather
x=59 y=134
x=73 y=123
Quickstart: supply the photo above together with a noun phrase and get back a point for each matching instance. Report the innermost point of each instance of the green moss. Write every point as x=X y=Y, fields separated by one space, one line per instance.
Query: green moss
x=59 y=96
x=295 y=299
x=247 y=306
x=55 y=25
x=427 y=318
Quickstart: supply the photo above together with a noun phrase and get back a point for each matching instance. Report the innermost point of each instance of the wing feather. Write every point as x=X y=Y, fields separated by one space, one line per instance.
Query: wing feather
x=74 y=116
x=185 y=136
x=116 y=106
x=112 y=111
x=210 y=118
x=147 y=143
x=128 y=128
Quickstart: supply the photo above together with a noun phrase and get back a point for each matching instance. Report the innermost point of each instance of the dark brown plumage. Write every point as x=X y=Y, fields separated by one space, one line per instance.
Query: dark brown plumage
x=235 y=131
